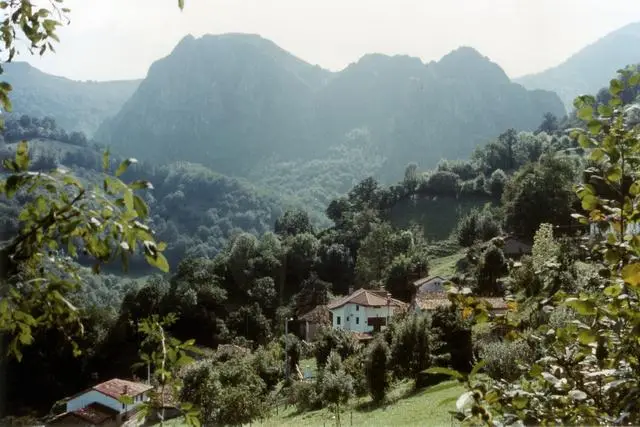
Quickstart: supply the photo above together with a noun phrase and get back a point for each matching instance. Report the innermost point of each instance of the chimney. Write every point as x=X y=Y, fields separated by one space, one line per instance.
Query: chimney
x=350 y=290
x=126 y=390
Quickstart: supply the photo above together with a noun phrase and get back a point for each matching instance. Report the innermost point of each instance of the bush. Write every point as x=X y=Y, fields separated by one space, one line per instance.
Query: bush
x=454 y=334
x=503 y=357
x=329 y=339
x=336 y=385
x=411 y=346
x=304 y=394
x=354 y=366
x=378 y=361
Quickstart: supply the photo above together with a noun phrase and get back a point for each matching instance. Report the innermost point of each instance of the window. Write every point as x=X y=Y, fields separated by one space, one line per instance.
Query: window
x=357 y=320
x=338 y=320
x=357 y=308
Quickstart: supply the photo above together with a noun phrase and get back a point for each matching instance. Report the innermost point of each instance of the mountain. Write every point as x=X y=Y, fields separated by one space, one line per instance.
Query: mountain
x=234 y=102
x=75 y=105
x=587 y=70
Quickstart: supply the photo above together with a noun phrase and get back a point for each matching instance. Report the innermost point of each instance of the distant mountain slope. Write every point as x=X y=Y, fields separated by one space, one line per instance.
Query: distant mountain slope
x=232 y=101
x=76 y=106
x=587 y=70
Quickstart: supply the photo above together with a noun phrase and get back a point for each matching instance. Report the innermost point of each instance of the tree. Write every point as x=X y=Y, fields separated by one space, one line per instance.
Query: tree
x=337 y=385
x=411 y=349
x=377 y=370
x=497 y=182
x=467 y=230
x=549 y=124
x=293 y=222
x=491 y=268
x=539 y=193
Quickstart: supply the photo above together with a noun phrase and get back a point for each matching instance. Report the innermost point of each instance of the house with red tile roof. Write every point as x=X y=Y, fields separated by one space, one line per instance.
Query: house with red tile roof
x=102 y=404
x=364 y=311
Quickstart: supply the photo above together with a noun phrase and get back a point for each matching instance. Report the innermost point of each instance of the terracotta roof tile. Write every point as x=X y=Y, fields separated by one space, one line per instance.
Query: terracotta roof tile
x=367 y=298
x=117 y=388
x=95 y=413
x=320 y=314
x=432 y=302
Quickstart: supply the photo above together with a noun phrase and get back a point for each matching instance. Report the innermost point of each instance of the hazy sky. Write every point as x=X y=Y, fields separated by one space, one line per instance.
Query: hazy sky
x=115 y=39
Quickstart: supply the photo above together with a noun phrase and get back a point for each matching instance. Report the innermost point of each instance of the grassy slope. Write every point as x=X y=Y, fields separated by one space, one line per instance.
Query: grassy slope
x=429 y=407
x=445 y=266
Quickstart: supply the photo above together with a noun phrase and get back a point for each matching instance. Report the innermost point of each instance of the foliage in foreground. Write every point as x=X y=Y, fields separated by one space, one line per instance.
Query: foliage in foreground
x=586 y=370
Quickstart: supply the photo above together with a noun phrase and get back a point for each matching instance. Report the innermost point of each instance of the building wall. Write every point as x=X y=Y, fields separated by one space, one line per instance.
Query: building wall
x=93 y=396
x=433 y=285
x=354 y=317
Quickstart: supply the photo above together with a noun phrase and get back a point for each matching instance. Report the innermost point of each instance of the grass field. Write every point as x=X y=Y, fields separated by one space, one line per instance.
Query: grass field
x=428 y=407
x=445 y=266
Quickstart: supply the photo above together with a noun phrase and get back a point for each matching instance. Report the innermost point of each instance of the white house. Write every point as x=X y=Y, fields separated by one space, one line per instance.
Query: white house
x=364 y=311
x=102 y=405
x=433 y=284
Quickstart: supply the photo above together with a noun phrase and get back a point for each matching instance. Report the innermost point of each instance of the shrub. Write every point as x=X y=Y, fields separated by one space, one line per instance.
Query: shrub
x=411 y=346
x=304 y=394
x=354 y=366
x=377 y=370
x=454 y=334
x=329 y=339
x=336 y=385
x=503 y=357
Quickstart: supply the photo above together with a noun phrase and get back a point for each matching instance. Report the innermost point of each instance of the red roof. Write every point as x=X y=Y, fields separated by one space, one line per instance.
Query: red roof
x=95 y=413
x=118 y=388
x=366 y=298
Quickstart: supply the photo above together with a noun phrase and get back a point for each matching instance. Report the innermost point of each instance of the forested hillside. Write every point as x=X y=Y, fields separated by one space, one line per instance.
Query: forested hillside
x=586 y=70
x=75 y=105
x=235 y=102
x=194 y=208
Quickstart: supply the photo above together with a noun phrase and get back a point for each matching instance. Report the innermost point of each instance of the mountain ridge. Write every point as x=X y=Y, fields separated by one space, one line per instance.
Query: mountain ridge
x=585 y=71
x=75 y=105
x=215 y=98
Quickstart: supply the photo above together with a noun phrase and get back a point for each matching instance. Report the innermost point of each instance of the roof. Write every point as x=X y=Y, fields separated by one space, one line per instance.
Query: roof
x=424 y=280
x=440 y=300
x=361 y=336
x=366 y=298
x=320 y=314
x=117 y=388
x=94 y=413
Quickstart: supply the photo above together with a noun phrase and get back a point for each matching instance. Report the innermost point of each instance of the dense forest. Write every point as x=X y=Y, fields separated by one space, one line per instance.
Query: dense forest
x=266 y=187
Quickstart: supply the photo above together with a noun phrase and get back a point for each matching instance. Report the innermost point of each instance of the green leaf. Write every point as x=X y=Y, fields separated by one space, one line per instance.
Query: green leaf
x=583 y=307
x=161 y=246
x=12 y=184
x=605 y=110
x=445 y=371
x=587 y=337
x=614 y=174
x=22 y=156
x=140 y=185
x=597 y=154
x=585 y=142
x=140 y=206
x=158 y=261
x=634 y=190
x=615 y=87
x=105 y=161
x=125 y=165
x=585 y=113
x=594 y=126
x=476 y=368
x=631 y=274
x=181 y=4
x=128 y=201
x=613 y=290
